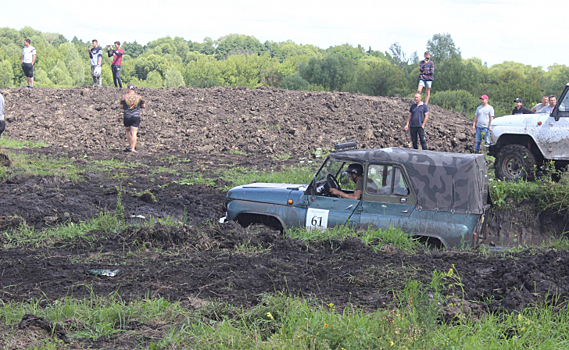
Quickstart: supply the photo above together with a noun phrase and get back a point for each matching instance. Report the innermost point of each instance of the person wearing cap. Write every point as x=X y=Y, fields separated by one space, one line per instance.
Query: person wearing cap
x=549 y=108
x=427 y=69
x=483 y=122
x=356 y=174
x=131 y=103
x=539 y=106
x=520 y=108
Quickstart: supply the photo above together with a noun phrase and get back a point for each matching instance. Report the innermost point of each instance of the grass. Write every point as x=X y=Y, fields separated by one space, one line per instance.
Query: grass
x=412 y=321
x=9 y=143
x=373 y=237
x=25 y=236
x=28 y=165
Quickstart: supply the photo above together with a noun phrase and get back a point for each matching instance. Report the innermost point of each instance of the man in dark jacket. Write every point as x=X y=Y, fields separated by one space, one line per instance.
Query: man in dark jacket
x=520 y=108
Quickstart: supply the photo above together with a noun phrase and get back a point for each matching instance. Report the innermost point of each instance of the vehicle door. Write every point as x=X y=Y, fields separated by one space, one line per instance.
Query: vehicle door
x=387 y=197
x=553 y=134
x=325 y=211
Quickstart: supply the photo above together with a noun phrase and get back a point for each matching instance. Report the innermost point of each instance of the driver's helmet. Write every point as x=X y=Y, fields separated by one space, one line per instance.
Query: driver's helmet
x=356 y=169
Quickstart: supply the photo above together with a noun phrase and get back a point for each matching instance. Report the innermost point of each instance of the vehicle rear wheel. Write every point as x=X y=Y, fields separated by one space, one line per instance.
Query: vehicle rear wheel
x=515 y=162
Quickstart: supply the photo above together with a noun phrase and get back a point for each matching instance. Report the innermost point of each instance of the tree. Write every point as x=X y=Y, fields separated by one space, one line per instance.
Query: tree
x=397 y=56
x=235 y=44
x=6 y=75
x=74 y=65
x=133 y=49
x=173 y=78
x=332 y=72
x=442 y=47
x=60 y=76
x=294 y=82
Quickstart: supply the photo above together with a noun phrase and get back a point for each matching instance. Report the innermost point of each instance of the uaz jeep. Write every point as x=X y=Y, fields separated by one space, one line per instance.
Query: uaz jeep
x=442 y=197
x=522 y=144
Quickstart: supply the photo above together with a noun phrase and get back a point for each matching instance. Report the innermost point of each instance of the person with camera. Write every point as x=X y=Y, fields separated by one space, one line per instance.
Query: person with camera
x=96 y=55
x=116 y=54
x=427 y=69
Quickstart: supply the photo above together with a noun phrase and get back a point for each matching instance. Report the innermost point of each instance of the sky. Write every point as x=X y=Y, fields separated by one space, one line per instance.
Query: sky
x=492 y=30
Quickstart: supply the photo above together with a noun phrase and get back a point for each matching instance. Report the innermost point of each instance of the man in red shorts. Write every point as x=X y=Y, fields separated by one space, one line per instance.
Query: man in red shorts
x=131 y=103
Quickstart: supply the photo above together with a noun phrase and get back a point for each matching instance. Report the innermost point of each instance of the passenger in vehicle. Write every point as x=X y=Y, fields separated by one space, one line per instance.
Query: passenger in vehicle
x=355 y=172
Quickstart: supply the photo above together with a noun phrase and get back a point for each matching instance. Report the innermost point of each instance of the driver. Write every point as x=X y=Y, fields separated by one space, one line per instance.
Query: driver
x=355 y=172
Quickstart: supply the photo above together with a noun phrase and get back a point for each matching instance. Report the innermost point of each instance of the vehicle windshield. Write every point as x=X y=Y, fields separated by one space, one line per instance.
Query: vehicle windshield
x=338 y=169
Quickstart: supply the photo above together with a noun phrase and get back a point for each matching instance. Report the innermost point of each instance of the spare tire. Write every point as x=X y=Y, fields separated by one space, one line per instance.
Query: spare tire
x=515 y=162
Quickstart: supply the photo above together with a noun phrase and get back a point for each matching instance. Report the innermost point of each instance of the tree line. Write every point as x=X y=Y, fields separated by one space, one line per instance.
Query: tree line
x=242 y=60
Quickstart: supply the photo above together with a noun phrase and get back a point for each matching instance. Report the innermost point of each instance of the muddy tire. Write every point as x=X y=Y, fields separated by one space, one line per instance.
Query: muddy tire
x=515 y=162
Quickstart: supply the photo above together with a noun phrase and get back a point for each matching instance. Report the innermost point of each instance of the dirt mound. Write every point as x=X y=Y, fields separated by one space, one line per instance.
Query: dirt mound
x=221 y=119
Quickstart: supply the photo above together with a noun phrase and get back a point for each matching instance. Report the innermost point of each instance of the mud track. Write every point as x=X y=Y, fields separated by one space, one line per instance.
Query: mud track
x=210 y=130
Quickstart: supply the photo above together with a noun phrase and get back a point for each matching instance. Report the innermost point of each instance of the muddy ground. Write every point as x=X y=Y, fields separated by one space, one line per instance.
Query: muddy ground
x=208 y=130
x=261 y=121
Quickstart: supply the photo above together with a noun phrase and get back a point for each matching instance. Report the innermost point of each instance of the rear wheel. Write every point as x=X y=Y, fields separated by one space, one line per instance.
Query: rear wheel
x=515 y=162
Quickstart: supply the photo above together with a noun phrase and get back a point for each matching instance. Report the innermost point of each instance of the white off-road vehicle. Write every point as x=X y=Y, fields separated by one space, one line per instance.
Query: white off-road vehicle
x=523 y=143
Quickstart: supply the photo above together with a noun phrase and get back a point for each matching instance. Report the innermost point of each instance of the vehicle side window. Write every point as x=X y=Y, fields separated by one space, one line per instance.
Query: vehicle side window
x=385 y=180
x=564 y=107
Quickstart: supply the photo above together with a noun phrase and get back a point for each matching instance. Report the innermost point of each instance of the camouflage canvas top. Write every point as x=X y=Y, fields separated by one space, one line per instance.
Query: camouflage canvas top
x=441 y=181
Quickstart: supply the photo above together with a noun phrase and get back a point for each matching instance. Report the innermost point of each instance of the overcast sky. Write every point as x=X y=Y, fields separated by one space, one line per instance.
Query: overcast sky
x=493 y=30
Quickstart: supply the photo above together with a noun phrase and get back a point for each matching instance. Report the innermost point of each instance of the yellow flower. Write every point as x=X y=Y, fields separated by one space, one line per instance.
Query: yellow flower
x=325 y=325
x=331 y=305
x=270 y=316
x=391 y=344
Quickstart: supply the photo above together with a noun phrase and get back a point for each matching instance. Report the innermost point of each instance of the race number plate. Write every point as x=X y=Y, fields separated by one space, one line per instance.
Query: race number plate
x=316 y=219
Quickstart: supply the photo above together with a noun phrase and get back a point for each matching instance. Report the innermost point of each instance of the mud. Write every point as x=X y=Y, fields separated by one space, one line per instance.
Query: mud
x=210 y=263
x=206 y=131
x=260 y=121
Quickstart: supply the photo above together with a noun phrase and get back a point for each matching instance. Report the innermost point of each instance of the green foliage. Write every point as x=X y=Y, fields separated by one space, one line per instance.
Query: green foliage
x=333 y=72
x=442 y=48
x=457 y=100
x=173 y=78
x=235 y=44
x=242 y=60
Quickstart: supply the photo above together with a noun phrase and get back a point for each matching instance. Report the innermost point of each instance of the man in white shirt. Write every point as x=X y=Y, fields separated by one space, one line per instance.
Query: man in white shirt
x=483 y=122
x=544 y=103
x=28 y=61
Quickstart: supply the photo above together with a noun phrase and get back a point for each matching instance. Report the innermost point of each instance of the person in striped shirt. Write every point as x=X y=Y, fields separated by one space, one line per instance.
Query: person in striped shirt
x=426 y=69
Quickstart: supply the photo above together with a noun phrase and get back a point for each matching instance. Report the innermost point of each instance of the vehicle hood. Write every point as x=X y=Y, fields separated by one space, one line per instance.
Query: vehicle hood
x=521 y=120
x=275 y=193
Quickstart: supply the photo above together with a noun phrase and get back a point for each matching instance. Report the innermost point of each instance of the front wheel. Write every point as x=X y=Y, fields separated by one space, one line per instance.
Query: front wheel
x=515 y=162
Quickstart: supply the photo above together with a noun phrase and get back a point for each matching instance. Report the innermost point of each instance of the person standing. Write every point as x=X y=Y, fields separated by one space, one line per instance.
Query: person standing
x=96 y=55
x=116 y=54
x=416 y=121
x=131 y=103
x=549 y=108
x=520 y=108
x=483 y=122
x=539 y=106
x=2 y=122
x=28 y=61
x=427 y=70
